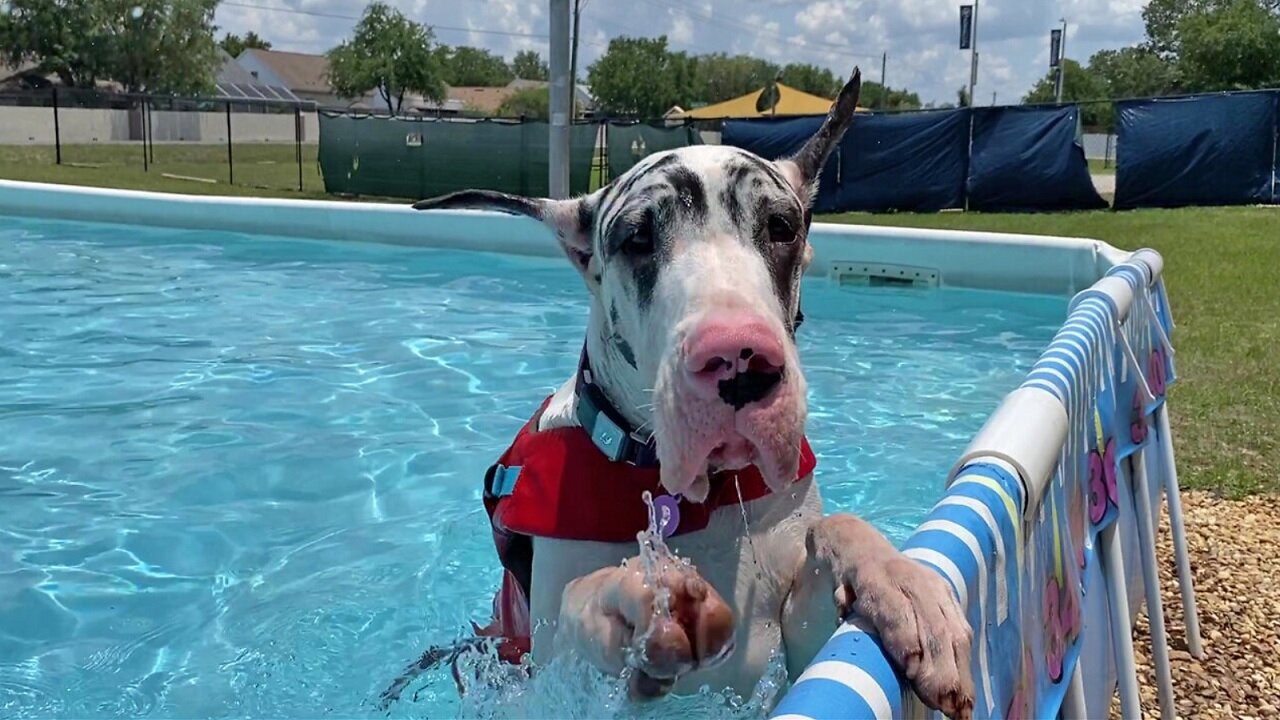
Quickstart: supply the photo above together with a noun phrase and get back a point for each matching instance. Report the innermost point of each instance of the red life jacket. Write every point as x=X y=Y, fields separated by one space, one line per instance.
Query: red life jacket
x=558 y=484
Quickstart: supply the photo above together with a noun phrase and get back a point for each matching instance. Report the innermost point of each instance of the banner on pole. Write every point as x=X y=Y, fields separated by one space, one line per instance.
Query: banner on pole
x=966 y=27
x=1055 y=48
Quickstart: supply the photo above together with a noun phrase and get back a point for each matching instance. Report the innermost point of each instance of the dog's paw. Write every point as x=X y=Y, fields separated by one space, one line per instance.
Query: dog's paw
x=912 y=608
x=922 y=626
x=677 y=623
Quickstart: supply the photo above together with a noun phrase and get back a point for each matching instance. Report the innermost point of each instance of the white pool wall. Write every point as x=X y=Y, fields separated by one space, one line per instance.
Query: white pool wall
x=979 y=260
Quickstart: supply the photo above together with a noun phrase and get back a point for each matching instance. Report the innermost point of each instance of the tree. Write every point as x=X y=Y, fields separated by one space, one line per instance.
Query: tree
x=473 y=67
x=635 y=77
x=1234 y=45
x=1078 y=85
x=962 y=97
x=164 y=46
x=722 y=77
x=529 y=65
x=59 y=36
x=388 y=53
x=533 y=103
x=1160 y=19
x=684 y=78
x=1133 y=72
x=234 y=44
x=813 y=80
x=872 y=93
x=1163 y=20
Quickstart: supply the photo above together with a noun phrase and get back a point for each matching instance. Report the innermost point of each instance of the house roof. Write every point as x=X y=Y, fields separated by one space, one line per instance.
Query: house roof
x=790 y=102
x=484 y=99
x=14 y=72
x=236 y=83
x=299 y=72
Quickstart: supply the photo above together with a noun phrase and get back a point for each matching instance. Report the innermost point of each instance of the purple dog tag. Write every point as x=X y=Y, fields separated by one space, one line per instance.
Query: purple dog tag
x=667 y=510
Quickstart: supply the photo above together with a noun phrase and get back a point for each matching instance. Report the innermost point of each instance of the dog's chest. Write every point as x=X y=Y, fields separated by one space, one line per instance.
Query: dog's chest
x=748 y=553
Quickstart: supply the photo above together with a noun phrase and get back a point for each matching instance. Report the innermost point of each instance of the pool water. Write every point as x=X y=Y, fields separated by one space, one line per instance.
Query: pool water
x=240 y=476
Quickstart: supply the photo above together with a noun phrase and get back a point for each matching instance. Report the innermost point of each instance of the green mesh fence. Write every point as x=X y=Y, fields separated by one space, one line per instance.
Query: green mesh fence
x=403 y=158
x=628 y=143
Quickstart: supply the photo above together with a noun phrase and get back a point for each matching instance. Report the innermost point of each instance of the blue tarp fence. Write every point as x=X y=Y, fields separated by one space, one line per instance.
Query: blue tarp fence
x=1021 y=159
x=1027 y=159
x=1199 y=150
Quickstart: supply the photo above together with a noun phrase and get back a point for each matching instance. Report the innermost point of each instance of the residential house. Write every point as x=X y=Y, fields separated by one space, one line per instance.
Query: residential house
x=306 y=76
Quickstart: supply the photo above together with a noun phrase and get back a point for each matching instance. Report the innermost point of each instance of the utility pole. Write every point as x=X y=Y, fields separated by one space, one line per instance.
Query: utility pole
x=1062 y=61
x=561 y=101
x=573 y=59
x=884 y=86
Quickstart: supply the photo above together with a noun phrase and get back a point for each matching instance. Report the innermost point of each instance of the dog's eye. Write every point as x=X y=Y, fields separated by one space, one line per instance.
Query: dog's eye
x=780 y=231
x=640 y=241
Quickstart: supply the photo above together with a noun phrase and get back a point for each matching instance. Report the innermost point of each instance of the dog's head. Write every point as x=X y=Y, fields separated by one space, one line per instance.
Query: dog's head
x=694 y=259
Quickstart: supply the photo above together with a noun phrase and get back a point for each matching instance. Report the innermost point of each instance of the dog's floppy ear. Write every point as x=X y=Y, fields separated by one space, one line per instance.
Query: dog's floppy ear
x=570 y=220
x=804 y=168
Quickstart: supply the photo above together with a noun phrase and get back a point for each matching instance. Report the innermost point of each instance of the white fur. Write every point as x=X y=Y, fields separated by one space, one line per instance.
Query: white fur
x=755 y=577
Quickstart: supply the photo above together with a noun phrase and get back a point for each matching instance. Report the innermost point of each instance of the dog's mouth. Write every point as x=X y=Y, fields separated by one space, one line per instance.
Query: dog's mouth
x=734 y=453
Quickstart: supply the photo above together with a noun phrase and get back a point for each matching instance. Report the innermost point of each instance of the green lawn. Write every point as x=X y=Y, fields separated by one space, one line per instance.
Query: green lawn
x=260 y=169
x=1102 y=167
x=1219 y=268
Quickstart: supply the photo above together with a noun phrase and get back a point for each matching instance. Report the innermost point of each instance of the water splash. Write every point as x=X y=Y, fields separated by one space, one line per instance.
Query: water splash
x=746 y=527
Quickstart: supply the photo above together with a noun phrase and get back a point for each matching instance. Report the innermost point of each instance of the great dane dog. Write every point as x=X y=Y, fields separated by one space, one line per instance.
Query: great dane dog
x=690 y=388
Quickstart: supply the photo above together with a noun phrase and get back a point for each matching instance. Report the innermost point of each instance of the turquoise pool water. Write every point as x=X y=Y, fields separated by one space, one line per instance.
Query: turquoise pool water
x=239 y=476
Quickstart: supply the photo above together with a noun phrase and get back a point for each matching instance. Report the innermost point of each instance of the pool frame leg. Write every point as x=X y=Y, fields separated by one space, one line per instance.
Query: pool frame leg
x=1190 y=613
x=1121 y=623
x=1151 y=583
x=1073 y=705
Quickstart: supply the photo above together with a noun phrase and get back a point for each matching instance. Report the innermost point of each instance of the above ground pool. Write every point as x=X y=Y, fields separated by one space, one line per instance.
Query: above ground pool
x=242 y=473
x=243 y=446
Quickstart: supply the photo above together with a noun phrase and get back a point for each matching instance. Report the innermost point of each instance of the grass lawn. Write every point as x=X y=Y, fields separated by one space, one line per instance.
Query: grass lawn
x=1101 y=167
x=260 y=169
x=1219 y=268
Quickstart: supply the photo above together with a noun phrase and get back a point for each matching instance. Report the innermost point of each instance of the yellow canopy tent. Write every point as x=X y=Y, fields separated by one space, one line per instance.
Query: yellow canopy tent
x=790 y=102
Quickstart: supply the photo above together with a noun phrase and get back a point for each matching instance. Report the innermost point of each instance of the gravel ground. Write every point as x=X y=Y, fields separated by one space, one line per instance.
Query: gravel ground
x=1235 y=557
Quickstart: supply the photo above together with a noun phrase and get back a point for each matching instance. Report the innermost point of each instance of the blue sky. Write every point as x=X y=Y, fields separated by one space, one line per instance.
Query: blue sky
x=920 y=36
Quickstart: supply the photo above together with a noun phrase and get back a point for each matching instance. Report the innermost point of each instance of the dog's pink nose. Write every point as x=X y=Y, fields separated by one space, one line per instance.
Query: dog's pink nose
x=738 y=360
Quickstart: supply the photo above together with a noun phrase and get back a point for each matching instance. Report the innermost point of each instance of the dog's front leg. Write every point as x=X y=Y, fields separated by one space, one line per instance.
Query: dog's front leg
x=851 y=565
x=616 y=618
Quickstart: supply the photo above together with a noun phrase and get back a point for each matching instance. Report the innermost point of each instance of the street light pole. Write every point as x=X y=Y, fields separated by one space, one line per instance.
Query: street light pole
x=973 y=54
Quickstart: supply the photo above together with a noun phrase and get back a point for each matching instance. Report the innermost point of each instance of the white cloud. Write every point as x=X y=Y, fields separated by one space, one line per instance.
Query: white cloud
x=681 y=32
x=920 y=36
